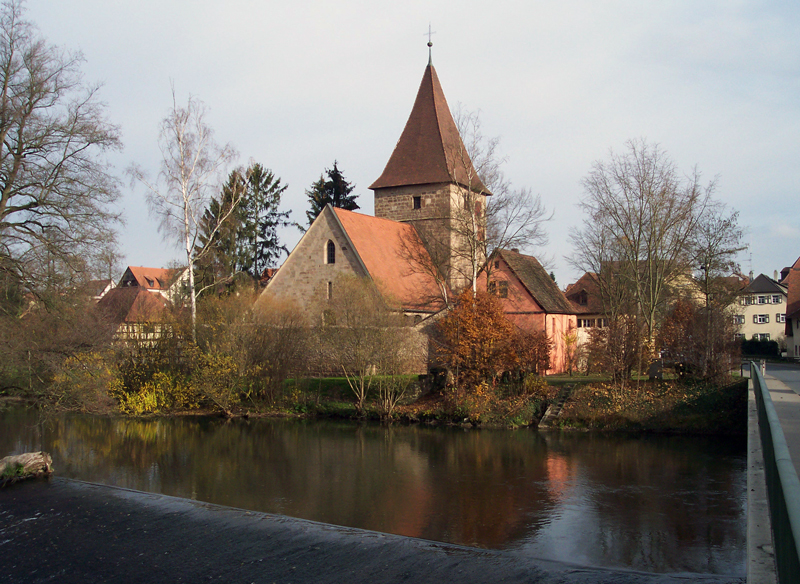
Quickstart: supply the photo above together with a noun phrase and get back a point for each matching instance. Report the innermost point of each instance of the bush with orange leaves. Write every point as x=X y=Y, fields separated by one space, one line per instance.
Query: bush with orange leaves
x=478 y=343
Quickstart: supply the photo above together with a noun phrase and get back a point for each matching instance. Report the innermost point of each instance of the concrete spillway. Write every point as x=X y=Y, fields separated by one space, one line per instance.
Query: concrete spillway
x=70 y=531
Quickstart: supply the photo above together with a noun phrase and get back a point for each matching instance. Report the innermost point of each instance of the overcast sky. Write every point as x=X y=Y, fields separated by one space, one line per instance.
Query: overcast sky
x=297 y=85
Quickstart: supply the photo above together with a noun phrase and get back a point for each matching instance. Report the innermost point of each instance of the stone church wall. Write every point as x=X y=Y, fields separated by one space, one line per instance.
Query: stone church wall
x=305 y=276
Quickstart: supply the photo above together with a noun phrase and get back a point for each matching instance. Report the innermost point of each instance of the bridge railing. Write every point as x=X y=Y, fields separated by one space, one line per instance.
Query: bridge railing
x=783 y=485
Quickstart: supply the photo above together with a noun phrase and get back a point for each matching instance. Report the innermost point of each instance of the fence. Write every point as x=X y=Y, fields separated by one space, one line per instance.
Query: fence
x=783 y=485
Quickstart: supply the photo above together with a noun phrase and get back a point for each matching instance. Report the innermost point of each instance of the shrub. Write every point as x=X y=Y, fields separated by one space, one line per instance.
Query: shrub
x=477 y=340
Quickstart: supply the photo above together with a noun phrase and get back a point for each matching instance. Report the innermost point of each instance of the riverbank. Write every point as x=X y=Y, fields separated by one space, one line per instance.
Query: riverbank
x=656 y=406
x=71 y=531
x=594 y=404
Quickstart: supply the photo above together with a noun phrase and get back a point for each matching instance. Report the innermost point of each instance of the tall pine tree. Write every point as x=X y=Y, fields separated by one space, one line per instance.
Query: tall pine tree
x=261 y=220
x=248 y=242
x=334 y=190
x=218 y=257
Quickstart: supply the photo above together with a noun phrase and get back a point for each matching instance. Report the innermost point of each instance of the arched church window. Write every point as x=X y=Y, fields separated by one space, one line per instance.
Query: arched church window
x=330 y=253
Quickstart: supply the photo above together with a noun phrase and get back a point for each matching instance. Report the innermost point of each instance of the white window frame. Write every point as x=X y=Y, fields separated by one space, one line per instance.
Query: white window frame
x=761 y=319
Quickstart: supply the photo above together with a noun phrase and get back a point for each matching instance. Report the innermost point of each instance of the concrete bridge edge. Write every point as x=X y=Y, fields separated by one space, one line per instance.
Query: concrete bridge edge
x=761 y=568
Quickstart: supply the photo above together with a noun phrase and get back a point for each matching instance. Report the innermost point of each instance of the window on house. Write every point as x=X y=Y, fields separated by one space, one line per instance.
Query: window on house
x=149 y=281
x=761 y=318
x=329 y=291
x=739 y=336
x=417 y=202
x=761 y=336
x=763 y=299
x=776 y=299
x=499 y=288
x=330 y=253
x=583 y=298
x=780 y=317
x=738 y=319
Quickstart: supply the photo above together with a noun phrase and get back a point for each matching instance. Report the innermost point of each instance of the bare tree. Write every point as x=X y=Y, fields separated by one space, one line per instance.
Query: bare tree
x=716 y=244
x=641 y=219
x=364 y=337
x=192 y=168
x=514 y=217
x=56 y=190
x=714 y=248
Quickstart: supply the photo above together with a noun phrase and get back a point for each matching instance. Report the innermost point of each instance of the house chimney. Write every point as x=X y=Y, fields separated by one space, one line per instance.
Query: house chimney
x=775 y=275
x=751 y=275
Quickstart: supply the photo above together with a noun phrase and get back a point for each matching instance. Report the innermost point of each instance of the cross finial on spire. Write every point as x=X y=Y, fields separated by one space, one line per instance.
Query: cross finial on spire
x=430 y=43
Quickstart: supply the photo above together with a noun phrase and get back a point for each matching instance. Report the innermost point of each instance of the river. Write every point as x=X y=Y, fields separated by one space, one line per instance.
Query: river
x=653 y=503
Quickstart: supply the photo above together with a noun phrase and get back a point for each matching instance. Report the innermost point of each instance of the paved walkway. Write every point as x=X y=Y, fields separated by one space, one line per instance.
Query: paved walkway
x=68 y=531
x=783 y=381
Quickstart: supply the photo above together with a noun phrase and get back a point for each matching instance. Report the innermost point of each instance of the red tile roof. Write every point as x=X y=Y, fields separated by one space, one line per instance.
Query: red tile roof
x=383 y=247
x=430 y=149
x=132 y=304
x=151 y=278
x=588 y=285
x=536 y=280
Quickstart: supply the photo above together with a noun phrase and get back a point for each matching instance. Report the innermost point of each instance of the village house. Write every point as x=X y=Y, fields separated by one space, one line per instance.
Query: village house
x=168 y=282
x=584 y=295
x=532 y=300
x=761 y=313
x=137 y=313
x=790 y=278
x=410 y=249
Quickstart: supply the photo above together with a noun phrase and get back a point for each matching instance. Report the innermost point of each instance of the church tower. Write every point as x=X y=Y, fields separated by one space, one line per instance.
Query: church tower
x=430 y=181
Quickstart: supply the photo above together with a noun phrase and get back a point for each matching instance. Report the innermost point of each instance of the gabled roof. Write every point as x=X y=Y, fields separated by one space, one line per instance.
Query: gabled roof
x=430 y=149
x=151 y=278
x=132 y=304
x=764 y=284
x=537 y=281
x=588 y=285
x=383 y=247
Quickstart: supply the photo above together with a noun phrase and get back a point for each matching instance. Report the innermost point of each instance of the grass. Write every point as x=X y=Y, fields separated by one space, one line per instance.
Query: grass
x=12 y=473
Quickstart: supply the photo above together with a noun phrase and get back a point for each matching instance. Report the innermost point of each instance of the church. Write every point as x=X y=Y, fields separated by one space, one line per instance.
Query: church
x=419 y=248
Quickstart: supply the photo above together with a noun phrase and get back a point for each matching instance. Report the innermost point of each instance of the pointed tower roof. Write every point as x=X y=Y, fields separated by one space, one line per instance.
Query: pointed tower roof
x=430 y=149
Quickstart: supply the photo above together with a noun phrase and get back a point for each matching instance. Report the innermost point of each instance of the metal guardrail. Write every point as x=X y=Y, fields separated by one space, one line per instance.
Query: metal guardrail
x=783 y=485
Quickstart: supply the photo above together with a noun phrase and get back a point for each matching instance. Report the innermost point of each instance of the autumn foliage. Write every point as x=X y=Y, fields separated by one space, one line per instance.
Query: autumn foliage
x=478 y=343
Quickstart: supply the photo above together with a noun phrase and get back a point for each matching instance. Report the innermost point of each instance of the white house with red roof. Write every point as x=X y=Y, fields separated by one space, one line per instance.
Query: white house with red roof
x=168 y=282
